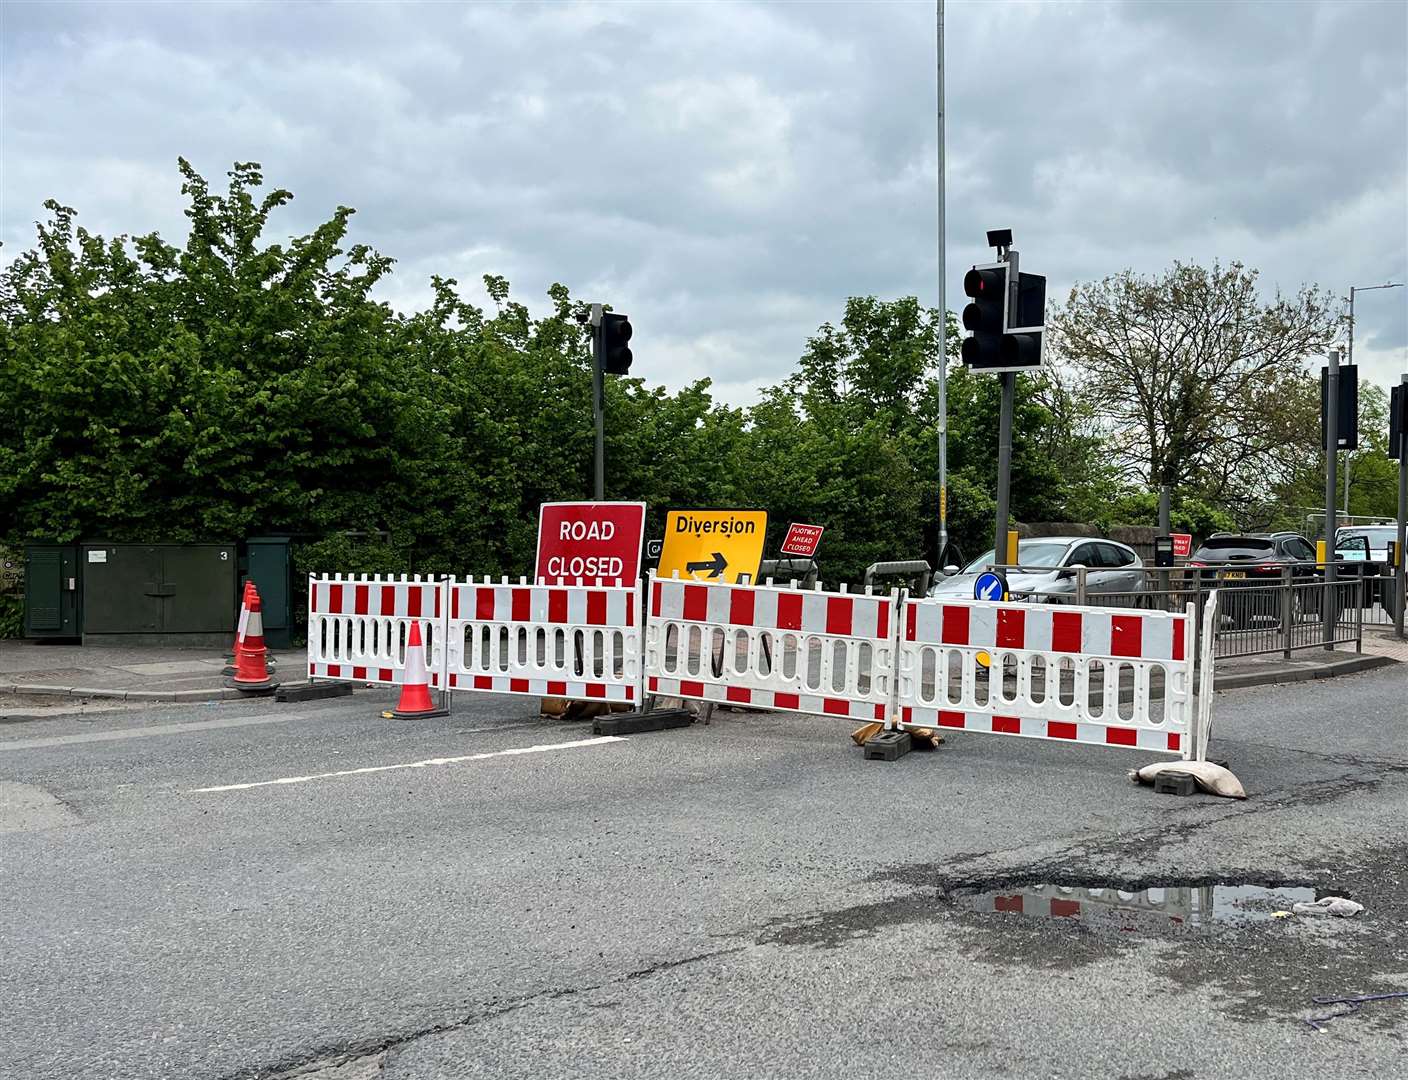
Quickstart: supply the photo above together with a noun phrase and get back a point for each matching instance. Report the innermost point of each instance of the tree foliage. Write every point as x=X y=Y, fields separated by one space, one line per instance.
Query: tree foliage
x=241 y=385
x=1199 y=382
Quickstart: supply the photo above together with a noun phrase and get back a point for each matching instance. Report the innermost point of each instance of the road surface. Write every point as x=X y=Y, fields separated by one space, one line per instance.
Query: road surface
x=261 y=890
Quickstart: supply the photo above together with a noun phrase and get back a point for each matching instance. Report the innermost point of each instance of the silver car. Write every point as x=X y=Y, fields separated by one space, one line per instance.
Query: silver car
x=1110 y=568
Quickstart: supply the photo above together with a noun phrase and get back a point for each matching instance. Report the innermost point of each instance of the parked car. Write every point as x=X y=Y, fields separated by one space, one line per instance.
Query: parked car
x=1110 y=568
x=1378 y=536
x=1246 y=560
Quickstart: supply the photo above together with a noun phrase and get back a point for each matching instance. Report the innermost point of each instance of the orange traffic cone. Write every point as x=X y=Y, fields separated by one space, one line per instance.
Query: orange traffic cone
x=239 y=628
x=415 y=691
x=251 y=668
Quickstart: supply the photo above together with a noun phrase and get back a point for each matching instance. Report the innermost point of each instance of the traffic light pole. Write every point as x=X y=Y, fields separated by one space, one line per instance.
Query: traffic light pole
x=1332 y=443
x=1004 y=429
x=1400 y=572
x=599 y=416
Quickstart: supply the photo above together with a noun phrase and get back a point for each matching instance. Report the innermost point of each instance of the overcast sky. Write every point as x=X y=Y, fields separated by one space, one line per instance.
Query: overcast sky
x=728 y=173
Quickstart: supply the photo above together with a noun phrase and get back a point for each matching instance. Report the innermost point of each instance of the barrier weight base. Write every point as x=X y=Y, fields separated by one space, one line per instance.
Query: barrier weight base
x=312 y=691
x=635 y=722
x=1171 y=782
x=888 y=746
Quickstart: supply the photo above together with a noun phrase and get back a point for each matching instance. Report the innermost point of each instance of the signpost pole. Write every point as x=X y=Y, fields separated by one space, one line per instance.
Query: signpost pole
x=1332 y=442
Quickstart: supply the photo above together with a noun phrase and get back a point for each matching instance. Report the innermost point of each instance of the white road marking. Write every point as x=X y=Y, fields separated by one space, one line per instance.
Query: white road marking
x=541 y=749
x=148 y=731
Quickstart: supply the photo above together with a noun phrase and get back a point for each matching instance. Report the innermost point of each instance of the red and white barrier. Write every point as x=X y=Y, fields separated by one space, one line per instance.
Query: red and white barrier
x=772 y=648
x=359 y=627
x=575 y=641
x=1109 y=677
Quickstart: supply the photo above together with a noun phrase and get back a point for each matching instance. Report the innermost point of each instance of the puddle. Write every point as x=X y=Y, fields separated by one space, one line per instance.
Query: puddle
x=1164 y=908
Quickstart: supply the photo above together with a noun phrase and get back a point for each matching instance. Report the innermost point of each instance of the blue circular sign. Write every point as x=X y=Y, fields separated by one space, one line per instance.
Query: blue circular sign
x=989 y=586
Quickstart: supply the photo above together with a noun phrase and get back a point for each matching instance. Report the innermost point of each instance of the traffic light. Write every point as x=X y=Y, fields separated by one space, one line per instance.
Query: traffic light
x=615 y=354
x=986 y=316
x=1347 y=410
x=1398 y=423
x=1004 y=338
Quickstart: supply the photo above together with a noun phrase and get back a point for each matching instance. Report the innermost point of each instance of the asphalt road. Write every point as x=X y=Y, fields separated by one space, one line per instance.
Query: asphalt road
x=746 y=899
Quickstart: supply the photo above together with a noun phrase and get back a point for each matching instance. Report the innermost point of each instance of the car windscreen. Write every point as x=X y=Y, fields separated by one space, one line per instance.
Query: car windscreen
x=1227 y=548
x=1377 y=536
x=1029 y=553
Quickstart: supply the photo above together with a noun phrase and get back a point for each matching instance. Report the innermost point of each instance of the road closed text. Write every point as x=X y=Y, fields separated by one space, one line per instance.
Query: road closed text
x=586 y=566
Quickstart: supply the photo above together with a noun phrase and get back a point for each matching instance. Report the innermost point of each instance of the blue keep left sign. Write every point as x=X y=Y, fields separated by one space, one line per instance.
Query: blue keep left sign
x=989 y=586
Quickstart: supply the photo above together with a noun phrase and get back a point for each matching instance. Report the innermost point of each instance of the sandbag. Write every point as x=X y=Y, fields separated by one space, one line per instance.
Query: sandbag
x=1213 y=779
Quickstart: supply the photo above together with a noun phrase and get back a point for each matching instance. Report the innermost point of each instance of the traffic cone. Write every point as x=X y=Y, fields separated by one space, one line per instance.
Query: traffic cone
x=251 y=667
x=415 y=691
x=229 y=668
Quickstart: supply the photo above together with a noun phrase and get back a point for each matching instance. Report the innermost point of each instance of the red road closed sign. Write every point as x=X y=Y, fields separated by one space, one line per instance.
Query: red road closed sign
x=590 y=541
x=802 y=540
x=1182 y=545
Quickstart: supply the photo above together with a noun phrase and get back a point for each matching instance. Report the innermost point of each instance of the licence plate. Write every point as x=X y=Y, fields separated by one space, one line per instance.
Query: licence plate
x=1233 y=575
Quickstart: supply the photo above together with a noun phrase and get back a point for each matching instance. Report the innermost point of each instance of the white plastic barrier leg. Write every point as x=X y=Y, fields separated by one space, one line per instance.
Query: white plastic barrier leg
x=1110 y=677
x=358 y=626
x=576 y=641
x=773 y=648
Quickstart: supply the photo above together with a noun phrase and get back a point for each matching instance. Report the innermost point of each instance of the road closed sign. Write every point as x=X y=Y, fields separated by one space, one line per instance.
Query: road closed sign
x=587 y=541
x=1182 y=545
x=713 y=545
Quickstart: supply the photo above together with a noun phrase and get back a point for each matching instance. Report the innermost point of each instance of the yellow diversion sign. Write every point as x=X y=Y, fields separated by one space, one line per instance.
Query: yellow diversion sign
x=713 y=545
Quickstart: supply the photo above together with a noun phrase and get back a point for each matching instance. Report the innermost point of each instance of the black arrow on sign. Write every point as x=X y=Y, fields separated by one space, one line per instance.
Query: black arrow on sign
x=715 y=566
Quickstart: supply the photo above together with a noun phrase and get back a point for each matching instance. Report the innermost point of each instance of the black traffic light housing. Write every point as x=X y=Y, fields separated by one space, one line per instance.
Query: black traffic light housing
x=613 y=351
x=1347 y=402
x=1004 y=338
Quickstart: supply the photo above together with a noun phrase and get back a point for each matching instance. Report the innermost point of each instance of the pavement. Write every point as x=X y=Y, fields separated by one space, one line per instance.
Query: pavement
x=252 y=890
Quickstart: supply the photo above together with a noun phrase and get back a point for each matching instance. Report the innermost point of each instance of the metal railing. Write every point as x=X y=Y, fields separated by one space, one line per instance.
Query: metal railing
x=1258 y=614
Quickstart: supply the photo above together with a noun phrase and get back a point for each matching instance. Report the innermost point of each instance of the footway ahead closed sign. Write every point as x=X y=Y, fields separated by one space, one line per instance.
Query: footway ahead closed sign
x=590 y=540
x=713 y=545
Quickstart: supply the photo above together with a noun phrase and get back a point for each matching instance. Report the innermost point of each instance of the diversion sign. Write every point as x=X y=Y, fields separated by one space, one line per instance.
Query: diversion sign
x=713 y=545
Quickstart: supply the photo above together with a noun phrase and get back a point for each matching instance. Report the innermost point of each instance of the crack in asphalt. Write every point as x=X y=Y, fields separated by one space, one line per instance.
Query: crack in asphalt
x=321 y=1062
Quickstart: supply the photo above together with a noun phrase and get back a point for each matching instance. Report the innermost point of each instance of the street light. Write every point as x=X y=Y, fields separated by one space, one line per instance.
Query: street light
x=1352 y=290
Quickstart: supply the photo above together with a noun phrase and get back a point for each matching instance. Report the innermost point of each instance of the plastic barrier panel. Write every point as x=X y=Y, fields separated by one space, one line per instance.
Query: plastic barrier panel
x=576 y=641
x=357 y=627
x=1111 y=677
x=772 y=648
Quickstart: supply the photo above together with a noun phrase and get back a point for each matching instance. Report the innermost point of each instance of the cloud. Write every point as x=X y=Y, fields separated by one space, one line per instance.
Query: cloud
x=729 y=174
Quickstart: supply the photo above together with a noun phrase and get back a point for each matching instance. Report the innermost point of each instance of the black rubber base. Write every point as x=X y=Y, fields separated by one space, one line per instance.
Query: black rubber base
x=888 y=746
x=313 y=691
x=633 y=723
x=1172 y=782
x=417 y=715
x=268 y=686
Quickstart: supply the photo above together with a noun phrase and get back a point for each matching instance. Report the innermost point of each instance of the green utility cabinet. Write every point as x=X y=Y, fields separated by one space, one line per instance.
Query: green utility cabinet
x=267 y=565
x=52 y=591
x=159 y=594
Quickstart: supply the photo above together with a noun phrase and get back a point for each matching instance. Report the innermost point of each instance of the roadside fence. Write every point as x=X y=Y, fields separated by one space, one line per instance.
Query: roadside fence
x=1259 y=613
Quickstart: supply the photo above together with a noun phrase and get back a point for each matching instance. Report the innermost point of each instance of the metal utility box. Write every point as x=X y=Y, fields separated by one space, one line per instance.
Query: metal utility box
x=268 y=566
x=159 y=594
x=52 y=591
